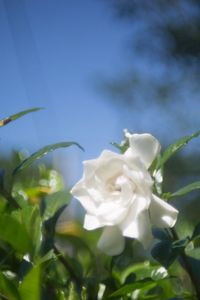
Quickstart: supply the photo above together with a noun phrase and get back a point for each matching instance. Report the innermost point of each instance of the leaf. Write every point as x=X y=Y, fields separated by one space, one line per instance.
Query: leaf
x=194 y=253
x=8 y=289
x=196 y=231
x=31 y=218
x=164 y=253
x=186 y=189
x=14 y=233
x=73 y=295
x=194 y=265
x=121 y=147
x=160 y=234
x=18 y=115
x=128 y=288
x=31 y=285
x=173 y=148
x=54 y=202
x=50 y=255
x=40 y=153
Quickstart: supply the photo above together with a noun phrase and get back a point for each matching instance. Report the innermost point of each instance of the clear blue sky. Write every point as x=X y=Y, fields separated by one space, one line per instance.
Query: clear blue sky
x=51 y=53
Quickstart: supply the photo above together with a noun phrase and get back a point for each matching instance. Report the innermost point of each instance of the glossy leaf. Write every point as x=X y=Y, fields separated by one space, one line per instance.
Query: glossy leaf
x=164 y=253
x=73 y=295
x=40 y=153
x=194 y=253
x=128 y=288
x=31 y=218
x=8 y=288
x=31 y=285
x=173 y=148
x=14 y=233
x=187 y=189
x=18 y=115
x=53 y=202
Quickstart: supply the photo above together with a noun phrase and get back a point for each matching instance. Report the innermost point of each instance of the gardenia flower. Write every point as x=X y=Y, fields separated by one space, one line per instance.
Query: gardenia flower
x=116 y=192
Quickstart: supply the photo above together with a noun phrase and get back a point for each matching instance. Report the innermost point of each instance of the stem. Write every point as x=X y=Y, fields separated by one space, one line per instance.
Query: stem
x=3 y=297
x=69 y=268
x=187 y=265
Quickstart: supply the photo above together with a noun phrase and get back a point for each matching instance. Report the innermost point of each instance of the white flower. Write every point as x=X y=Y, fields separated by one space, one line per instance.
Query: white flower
x=116 y=192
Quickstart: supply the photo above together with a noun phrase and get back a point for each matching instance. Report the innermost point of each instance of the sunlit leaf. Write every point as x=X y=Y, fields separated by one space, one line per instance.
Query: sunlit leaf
x=173 y=148
x=18 y=115
x=187 y=189
x=14 y=233
x=53 y=202
x=121 y=147
x=8 y=288
x=128 y=288
x=73 y=295
x=31 y=285
x=194 y=253
x=32 y=220
x=40 y=153
x=50 y=255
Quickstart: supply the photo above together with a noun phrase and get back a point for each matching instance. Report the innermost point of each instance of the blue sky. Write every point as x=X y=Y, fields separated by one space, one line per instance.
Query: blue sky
x=51 y=54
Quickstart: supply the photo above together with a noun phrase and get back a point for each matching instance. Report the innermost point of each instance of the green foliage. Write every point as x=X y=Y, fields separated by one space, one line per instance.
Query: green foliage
x=173 y=148
x=14 y=233
x=187 y=189
x=43 y=151
x=30 y=288
x=43 y=257
x=18 y=115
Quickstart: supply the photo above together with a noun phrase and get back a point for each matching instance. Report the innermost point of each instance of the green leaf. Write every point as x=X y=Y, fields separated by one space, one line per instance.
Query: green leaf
x=128 y=288
x=50 y=255
x=160 y=234
x=8 y=288
x=121 y=147
x=7 y=120
x=164 y=253
x=14 y=233
x=31 y=218
x=196 y=231
x=40 y=153
x=54 y=202
x=173 y=148
x=186 y=189
x=73 y=295
x=31 y=285
x=194 y=253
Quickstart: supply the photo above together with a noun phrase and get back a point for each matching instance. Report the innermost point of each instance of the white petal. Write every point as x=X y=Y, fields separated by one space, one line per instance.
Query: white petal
x=161 y=213
x=144 y=229
x=91 y=222
x=112 y=212
x=145 y=146
x=80 y=193
x=137 y=224
x=111 y=241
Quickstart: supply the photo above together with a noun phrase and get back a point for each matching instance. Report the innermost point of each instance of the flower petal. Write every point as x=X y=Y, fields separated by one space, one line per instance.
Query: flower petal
x=92 y=222
x=145 y=146
x=111 y=241
x=161 y=213
x=137 y=223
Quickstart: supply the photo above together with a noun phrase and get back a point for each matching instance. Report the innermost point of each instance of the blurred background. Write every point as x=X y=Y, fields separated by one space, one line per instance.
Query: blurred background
x=97 y=67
